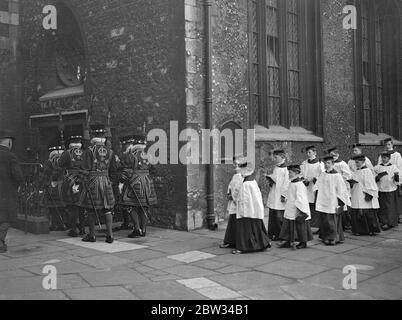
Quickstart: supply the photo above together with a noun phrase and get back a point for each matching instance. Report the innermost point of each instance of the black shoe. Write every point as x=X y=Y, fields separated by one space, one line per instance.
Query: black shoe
x=284 y=245
x=3 y=249
x=89 y=238
x=385 y=227
x=301 y=245
x=109 y=239
x=135 y=234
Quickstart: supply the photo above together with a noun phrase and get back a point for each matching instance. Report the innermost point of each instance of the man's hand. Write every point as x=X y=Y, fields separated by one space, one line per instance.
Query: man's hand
x=283 y=199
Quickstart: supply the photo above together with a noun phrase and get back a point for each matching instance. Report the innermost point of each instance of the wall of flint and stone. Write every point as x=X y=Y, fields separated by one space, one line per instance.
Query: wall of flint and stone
x=135 y=53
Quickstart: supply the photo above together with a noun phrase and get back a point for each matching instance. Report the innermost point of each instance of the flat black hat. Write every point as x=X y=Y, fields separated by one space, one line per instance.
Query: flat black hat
x=334 y=148
x=6 y=134
x=356 y=145
x=360 y=157
x=386 y=154
x=310 y=148
x=327 y=157
x=278 y=152
x=387 y=140
x=294 y=168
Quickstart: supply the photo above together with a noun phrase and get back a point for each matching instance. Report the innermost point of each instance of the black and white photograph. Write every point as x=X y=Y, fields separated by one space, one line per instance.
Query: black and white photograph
x=215 y=151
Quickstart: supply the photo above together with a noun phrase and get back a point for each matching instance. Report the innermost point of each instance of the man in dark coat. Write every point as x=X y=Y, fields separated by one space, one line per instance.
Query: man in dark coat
x=11 y=178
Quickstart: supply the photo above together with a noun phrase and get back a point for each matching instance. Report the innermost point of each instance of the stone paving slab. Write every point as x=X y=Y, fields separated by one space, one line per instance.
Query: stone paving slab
x=291 y=269
x=101 y=293
x=272 y=293
x=332 y=279
x=312 y=292
x=198 y=283
x=32 y=249
x=17 y=273
x=247 y=280
x=307 y=255
x=380 y=253
x=113 y=278
x=164 y=290
x=48 y=295
x=161 y=263
x=187 y=271
x=247 y=260
x=103 y=261
x=219 y=293
x=339 y=261
x=116 y=246
x=63 y=267
x=140 y=255
x=165 y=278
x=340 y=248
x=11 y=264
x=210 y=264
x=233 y=269
x=191 y=256
x=379 y=291
x=21 y=285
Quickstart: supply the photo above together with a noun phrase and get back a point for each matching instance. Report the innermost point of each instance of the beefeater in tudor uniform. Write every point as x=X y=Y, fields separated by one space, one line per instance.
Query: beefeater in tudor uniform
x=52 y=181
x=72 y=162
x=97 y=197
x=136 y=186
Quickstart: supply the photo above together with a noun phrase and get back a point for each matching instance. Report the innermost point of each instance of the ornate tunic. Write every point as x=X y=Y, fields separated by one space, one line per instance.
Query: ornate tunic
x=72 y=162
x=99 y=161
x=138 y=188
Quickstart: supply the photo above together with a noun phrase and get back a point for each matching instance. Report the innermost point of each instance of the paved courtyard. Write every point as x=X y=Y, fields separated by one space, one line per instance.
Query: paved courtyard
x=177 y=265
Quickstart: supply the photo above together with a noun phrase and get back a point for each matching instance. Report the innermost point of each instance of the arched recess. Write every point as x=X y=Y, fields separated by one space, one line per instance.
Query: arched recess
x=63 y=63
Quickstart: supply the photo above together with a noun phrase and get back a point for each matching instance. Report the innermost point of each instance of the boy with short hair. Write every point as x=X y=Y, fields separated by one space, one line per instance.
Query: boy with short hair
x=357 y=151
x=296 y=224
x=311 y=169
x=279 y=182
x=387 y=178
x=332 y=196
x=364 y=200
x=343 y=169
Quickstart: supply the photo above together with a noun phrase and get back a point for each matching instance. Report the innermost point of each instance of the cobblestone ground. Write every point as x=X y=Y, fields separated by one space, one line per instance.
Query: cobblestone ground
x=177 y=265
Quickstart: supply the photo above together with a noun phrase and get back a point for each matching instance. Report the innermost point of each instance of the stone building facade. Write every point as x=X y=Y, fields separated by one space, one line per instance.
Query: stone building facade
x=287 y=68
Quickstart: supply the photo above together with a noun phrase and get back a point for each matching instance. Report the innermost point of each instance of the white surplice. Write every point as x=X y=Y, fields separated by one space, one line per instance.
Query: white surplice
x=367 y=163
x=279 y=189
x=234 y=190
x=250 y=204
x=387 y=183
x=309 y=171
x=331 y=187
x=365 y=184
x=297 y=199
